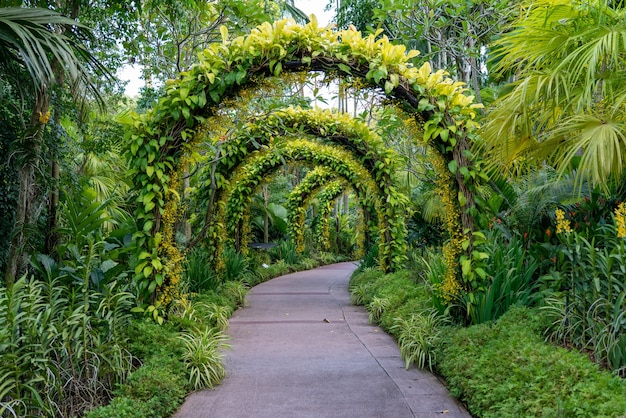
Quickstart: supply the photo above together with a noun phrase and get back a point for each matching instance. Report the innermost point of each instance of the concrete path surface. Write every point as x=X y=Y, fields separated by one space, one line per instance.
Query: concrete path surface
x=300 y=349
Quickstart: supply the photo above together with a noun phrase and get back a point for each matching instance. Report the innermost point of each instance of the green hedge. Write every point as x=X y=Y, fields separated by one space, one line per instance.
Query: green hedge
x=503 y=368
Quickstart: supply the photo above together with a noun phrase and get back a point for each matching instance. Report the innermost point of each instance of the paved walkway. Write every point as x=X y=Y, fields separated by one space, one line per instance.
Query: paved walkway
x=300 y=349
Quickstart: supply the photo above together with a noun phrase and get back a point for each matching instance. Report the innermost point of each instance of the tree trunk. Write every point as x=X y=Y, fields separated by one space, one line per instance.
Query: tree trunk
x=266 y=220
x=52 y=235
x=27 y=193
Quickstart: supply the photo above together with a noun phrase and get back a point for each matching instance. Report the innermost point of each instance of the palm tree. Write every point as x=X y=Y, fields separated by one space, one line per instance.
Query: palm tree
x=568 y=99
x=36 y=41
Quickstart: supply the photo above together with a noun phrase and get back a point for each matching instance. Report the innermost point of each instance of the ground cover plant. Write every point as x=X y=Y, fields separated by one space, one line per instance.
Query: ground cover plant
x=498 y=368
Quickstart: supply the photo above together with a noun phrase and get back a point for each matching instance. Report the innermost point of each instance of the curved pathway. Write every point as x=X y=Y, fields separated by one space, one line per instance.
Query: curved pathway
x=300 y=349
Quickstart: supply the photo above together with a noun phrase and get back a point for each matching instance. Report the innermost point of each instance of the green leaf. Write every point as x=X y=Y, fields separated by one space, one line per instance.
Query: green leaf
x=345 y=68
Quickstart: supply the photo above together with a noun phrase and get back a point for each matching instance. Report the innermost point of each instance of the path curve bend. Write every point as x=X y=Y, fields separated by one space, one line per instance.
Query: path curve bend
x=300 y=349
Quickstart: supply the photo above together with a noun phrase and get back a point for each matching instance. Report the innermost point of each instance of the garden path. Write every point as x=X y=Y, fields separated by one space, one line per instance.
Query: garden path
x=300 y=349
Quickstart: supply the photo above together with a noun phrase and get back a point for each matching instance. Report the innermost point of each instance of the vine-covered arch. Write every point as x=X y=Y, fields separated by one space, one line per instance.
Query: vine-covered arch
x=162 y=138
x=326 y=198
x=323 y=126
x=300 y=197
x=247 y=180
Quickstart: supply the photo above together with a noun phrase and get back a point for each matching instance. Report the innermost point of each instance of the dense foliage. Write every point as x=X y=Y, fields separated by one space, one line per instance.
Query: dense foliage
x=505 y=226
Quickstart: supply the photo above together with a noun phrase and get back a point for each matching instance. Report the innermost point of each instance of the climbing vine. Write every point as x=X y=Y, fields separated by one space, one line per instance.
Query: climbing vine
x=165 y=134
x=299 y=200
x=326 y=198
x=319 y=179
x=247 y=179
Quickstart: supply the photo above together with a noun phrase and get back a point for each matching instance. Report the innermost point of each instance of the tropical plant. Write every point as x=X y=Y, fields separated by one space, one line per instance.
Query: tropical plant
x=419 y=336
x=376 y=308
x=565 y=106
x=36 y=39
x=285 y=251
x=511 y=280
x=198 y=275
x=62 y=351
x=235 y=265
x=236 y=291
x=203 y=357
x=589 y=312
x=359 y=294
x=218 y=315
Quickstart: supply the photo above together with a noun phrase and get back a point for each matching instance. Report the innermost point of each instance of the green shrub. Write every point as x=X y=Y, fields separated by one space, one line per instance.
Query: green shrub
x=419 y=337
x=120 y=407
x=203 y=357
x=198 y=276
x=376 y=308
x=506 y=369
x=160 y=383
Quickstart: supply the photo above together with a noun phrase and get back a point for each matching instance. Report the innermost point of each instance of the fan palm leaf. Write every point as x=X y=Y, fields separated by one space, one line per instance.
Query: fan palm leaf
x=31 y=37
x=569 y=96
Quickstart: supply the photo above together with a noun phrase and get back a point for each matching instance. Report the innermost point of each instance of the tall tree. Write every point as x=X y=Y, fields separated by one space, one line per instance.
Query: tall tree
x=35 y=40
x=452 y=34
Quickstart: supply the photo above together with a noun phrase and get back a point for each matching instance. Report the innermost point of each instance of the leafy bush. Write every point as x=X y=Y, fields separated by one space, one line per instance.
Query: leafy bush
x=506 y=369
x=203 y=357
x=198 y=275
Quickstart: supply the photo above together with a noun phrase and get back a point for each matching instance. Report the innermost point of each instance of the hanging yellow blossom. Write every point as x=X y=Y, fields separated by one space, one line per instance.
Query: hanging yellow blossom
x=620 y=220
x=44 y=117
x=562 y=224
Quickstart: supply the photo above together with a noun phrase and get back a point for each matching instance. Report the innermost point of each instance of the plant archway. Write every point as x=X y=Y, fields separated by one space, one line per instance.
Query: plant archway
x=320 y=178
x=326 y=198
x=163 y=138
x=250 y=176
x=331 y=128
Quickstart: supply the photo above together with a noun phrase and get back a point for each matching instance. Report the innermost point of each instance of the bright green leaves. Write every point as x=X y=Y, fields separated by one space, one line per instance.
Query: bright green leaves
x=162 y=137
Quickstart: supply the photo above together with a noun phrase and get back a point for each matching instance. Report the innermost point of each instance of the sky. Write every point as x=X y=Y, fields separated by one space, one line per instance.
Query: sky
x=132 y=73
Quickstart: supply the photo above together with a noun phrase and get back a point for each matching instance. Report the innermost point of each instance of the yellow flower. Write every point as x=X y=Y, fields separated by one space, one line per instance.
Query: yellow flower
x=620 y=220
x=562 y=224
x=44 y=117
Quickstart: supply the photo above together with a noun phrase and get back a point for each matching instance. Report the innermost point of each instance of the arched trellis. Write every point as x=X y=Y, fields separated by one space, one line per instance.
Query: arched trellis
x=326 y=199
x=300 y=197
x=325 y=127
x=163 y=137
x=265 y=162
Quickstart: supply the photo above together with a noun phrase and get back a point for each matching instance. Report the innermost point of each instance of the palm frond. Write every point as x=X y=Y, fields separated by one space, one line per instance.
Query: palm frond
x=600 y=143
x=37 y=37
